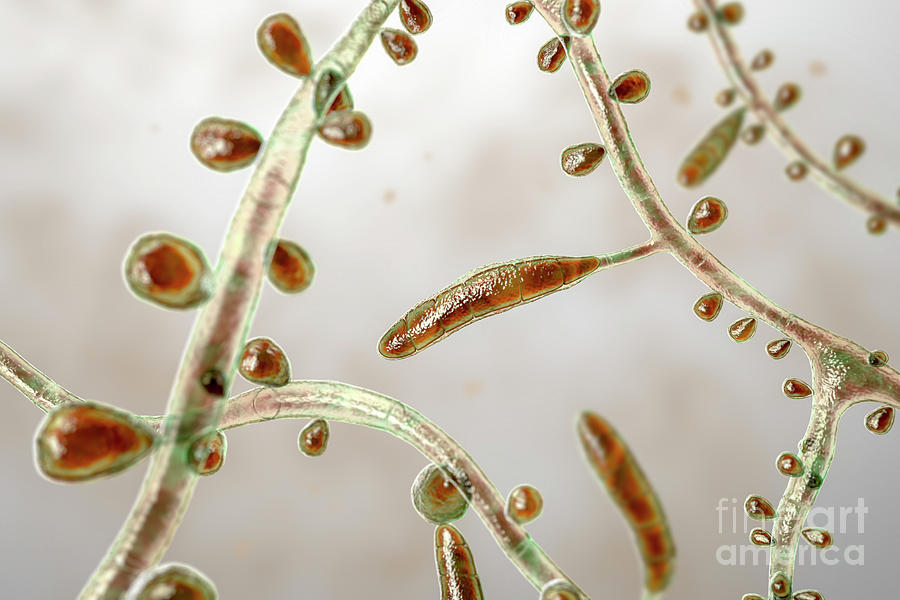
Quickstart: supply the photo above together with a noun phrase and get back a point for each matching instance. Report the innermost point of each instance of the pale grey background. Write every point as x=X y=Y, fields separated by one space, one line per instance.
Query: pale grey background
x=98 y=99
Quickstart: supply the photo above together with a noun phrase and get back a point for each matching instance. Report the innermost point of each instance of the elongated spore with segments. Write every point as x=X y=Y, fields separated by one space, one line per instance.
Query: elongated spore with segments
x=481 y=293
x=616 y=467
x=456 y=566
x=711 y=150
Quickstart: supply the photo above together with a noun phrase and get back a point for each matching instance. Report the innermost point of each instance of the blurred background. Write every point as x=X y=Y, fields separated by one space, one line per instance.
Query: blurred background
x=99 y=98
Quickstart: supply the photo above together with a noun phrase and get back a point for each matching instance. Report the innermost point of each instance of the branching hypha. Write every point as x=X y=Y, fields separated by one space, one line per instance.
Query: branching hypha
x=534 y=384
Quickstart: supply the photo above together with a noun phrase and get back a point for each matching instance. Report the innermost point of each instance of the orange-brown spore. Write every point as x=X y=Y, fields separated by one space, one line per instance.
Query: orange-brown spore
x=796 y=170
x=881 y=420
x=789 y=464
x=697 y=22
x=753 y=134
x=731 y=13
x=524 y=504
x=786 y=96
x=283 y=44
x=415 y=16
x=846 y=150
x=400 y=47
x=778 y=348
x=876 y=225
x=794 y=388
x=518 y=12
x=168 y=268
x=616 y=467
x=262 y=361
x=707 y=215
x=81 y=441
x=581 y=15
x=581 y=159
x=490 y=290
x=632 y=87
x=347 y=129
x=314 y=438
x=708 y=306
x=742 y=329
x=551 y=56
x=763 y=59
x=88 y=436
x=291 y=269
x=759 y=508
x=224 y=144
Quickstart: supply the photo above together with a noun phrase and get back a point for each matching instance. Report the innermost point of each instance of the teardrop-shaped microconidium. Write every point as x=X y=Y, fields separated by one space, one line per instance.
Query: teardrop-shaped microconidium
x=415 y=16
x=630 y=87
x=349 y=129
x=581 y=159
x=207 y=454
x=698 y=22
x=399 y=46
x=876 y=225
x=780 y=585
x=808 y=595
x=742 y=329
x=752 y=597
x=172 y=581
x=282 y=42
x=760 y=537
x=878 y=358
x=796 y=170
x=753 y=134
x=731 y=13
x=709 y=306
x=524 y=504
x=880 y=420
x=85 y=440
x=787 y=96
x=169 y=271
x=711 y=150
x=794 y=388
x=518 y=12
x=726 y=97
x=291 y=270
x=846 y=150
x=758 y=508
x=820 y=538
x=551 y=56
x=789 y=464
x=559 y=589
x=435 y=497
x=762 y=60
x=580 y=16
x=778 y=349
x=225 y=144
x=264 y=362
x=313 y=439
x=707 y=215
